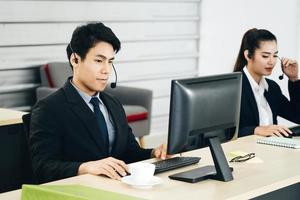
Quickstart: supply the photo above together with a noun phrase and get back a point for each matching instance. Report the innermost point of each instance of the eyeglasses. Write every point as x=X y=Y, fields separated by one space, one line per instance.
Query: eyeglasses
x=243 y=158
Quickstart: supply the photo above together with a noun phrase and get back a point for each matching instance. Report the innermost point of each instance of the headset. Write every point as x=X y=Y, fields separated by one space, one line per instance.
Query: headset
x=282 y=75
x=75 y=58
x=113 y=84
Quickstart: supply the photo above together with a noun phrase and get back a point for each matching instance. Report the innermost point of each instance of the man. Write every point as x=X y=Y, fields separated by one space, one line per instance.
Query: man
x=80 y=128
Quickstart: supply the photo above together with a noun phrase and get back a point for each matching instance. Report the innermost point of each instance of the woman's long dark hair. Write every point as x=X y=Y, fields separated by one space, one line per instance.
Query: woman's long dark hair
x=251 y=41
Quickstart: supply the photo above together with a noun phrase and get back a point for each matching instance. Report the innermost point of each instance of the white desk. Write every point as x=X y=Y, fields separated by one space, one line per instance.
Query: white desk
x=9 y=117
x=281 y=168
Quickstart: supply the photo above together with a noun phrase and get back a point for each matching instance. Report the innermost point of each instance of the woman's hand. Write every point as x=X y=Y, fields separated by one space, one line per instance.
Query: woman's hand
x=275 y=130
x=290 y=68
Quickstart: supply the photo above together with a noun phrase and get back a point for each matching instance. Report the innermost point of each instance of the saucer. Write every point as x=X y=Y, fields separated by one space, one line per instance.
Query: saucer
x=130 y=181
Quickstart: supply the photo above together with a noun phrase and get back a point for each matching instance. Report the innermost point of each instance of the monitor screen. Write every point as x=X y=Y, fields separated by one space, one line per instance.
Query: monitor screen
x=204 y=108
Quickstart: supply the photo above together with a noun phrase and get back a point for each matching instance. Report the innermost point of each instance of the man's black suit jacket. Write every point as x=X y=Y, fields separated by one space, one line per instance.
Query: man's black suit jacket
x=280 y=105
x=64 y=134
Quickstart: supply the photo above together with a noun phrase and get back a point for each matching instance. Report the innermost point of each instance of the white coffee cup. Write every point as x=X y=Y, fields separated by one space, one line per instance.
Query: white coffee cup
x=141 y=172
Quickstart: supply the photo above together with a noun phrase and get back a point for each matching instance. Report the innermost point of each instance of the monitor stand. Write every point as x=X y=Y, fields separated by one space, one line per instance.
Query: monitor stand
x=221 y=171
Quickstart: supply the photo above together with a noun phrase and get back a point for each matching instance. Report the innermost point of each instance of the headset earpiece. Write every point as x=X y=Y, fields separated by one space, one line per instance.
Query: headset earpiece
x=75 y=59
x=249 y=55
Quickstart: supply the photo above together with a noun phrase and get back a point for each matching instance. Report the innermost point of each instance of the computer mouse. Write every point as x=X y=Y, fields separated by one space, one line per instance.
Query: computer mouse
x=285 y=136
x=295 y=130
x=127 y=174
x=288 y=136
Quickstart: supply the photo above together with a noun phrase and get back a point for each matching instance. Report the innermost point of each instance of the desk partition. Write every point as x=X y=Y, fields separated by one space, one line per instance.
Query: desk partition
x=14 y=165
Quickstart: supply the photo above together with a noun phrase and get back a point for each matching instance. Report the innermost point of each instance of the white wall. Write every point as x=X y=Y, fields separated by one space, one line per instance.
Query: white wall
x=158 y=38
x=167 y=29
x=223 y=24
x=298 y=31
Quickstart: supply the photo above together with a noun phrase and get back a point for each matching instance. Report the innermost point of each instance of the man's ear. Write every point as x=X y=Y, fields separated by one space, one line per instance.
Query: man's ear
x=74 y=59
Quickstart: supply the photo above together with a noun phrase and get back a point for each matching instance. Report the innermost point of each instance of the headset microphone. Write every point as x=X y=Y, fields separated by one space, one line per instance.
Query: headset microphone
x=114 y=84
x=281 y=77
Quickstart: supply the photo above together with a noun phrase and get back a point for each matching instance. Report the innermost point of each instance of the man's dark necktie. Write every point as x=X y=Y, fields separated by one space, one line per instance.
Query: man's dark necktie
x=100 y=121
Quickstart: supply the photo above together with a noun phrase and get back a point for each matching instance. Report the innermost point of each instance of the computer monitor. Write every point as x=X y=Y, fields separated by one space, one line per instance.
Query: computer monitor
x=205 y=111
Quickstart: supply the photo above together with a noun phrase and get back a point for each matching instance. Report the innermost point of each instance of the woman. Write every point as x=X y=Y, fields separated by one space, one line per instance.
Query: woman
x=262 y=100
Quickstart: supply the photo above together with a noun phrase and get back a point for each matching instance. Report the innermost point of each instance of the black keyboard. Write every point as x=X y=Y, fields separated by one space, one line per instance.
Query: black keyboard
x=174 y=163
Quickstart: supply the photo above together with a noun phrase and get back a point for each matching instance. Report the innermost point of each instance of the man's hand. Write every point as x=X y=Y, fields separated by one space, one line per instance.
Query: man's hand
x=161 y=152
x=111 y=167
x=272 y=130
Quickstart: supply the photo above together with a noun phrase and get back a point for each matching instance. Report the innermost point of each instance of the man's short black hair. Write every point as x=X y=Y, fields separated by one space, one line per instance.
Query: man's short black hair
x=87 y=36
